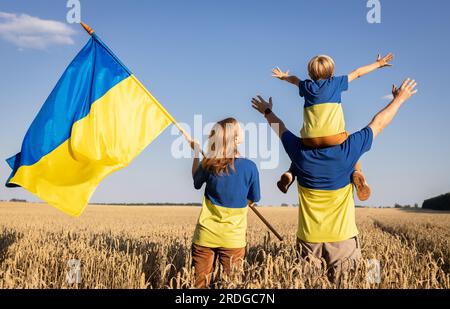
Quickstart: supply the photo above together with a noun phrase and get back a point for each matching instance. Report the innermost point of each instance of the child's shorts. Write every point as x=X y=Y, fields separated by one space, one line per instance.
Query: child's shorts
x=325 y=141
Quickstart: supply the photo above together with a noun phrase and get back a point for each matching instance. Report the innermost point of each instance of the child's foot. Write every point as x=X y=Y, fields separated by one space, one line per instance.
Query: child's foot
x=362 y=188
x=285 y=182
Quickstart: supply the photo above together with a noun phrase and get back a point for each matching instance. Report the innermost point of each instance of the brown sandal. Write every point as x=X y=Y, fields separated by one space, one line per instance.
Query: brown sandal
x=286 y=180
x=362 y=188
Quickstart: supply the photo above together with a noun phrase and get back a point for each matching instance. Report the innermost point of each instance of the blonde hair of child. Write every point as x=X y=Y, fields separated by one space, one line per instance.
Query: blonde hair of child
x=321 y=67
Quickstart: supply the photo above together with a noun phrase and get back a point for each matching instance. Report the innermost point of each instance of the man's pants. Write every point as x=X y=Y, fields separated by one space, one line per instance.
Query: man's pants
x=340 y=256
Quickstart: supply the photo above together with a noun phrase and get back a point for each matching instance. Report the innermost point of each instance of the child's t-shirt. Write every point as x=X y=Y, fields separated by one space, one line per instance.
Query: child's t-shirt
x=323 y=114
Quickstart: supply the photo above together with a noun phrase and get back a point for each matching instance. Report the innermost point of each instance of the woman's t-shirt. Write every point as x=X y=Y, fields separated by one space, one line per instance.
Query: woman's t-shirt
x=223 y=218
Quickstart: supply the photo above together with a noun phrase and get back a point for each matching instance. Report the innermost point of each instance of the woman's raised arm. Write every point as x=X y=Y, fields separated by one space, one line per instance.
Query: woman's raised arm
x=197 y=151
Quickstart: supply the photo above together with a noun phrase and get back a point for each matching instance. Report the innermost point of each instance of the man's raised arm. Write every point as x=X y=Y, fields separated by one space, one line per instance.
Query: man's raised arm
x=265 y=108
x=385 y=116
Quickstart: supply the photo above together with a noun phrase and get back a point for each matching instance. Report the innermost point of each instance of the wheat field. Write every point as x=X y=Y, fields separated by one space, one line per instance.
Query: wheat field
x=149 y=247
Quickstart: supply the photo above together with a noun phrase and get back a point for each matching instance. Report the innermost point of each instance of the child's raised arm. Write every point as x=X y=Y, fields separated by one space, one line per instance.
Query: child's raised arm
x=380 y=63
x=285 y=76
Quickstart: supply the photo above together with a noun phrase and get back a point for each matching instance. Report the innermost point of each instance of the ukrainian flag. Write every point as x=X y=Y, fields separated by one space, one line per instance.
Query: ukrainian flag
x=97 y=119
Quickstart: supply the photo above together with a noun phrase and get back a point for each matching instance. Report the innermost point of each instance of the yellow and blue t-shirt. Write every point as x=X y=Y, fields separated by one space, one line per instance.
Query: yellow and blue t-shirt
x=223 y=218
x=326 y=204
x=323 y=114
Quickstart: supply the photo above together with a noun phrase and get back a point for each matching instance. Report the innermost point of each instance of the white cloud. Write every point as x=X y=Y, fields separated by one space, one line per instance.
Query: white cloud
x=388 y=97
x=27 y=31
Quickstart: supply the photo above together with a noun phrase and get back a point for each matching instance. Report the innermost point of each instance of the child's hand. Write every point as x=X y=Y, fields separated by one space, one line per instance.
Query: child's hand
x=384 y=62
x=279 y=74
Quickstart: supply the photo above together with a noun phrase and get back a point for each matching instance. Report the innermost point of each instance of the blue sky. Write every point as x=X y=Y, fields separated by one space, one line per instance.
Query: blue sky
x=211 y=57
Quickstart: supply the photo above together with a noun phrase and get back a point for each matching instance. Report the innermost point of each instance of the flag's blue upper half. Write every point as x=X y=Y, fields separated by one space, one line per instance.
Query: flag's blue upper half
x=97 y=119
x=93 y=72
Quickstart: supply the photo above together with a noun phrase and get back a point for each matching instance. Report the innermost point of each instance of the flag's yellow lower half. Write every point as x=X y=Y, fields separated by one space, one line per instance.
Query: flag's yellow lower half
x=119 y=126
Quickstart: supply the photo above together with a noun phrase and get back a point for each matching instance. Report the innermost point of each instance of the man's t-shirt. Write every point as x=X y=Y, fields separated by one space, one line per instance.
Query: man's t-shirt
x=323 y=114
x=326 y=204
x=223 y=218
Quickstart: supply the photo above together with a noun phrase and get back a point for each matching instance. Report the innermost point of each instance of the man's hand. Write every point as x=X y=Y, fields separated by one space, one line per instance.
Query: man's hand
x=406 y=90
x=280 y=74
x=385 y=116
x=384 y=62
x=261 y=105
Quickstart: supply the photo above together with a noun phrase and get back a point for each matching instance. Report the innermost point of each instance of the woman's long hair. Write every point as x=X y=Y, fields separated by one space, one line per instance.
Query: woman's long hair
x=222 y=147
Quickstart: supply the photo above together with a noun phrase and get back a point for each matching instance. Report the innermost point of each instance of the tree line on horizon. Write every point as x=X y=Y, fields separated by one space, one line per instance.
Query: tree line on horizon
x=441 y=202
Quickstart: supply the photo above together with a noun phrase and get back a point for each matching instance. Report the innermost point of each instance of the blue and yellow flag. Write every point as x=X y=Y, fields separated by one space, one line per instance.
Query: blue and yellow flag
x=97 y=119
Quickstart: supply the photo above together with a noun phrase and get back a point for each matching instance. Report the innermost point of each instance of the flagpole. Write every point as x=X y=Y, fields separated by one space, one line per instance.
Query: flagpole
x=90 y=31
x=269 y=226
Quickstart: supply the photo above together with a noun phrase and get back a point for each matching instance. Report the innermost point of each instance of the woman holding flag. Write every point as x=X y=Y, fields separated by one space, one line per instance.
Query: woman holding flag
x=232 y=183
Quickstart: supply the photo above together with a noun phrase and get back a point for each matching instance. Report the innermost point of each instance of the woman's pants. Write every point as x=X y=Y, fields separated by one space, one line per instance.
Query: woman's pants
x=204 y=258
